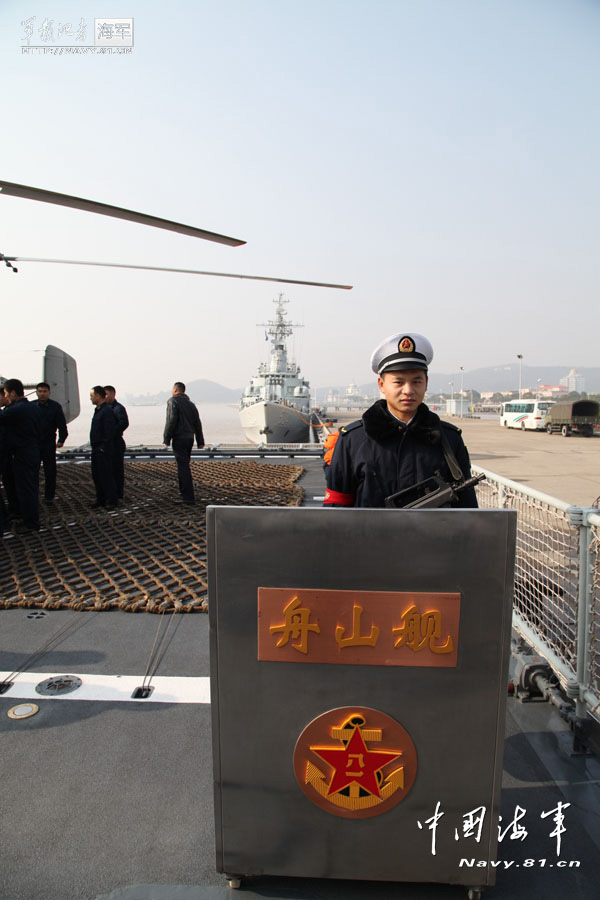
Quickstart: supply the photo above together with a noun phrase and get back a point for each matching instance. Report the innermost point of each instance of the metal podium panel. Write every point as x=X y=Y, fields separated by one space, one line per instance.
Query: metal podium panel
x=364 y=750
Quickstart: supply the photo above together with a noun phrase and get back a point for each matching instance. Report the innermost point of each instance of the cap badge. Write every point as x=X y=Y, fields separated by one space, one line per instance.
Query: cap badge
x=406 y=345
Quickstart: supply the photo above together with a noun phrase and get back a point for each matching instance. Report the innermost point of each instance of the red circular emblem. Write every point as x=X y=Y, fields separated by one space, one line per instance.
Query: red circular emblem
x=355 y=762
x=406 y=345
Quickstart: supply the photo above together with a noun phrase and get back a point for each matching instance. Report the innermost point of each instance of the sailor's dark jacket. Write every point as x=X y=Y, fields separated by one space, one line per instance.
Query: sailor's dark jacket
x=121 y=416
x=104 y=428
x=21 y=424
x=379 y=455
x=52 y=419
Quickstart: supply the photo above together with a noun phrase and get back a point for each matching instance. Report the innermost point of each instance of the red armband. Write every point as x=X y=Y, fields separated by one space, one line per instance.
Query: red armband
x=336 y=498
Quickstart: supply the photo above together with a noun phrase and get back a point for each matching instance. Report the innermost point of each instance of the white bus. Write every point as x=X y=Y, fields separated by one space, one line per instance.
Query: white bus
x=527 y=415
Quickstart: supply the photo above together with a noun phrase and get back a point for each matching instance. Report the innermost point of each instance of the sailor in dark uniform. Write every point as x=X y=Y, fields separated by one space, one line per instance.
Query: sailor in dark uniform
x=11 y=509
x=119 y=445
x=399 y=441
x=21 y=424
x=52 y=419
x=2 y=507
x=102 y=436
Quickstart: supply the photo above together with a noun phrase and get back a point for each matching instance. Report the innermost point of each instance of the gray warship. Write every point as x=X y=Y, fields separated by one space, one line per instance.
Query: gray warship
x=275 y=406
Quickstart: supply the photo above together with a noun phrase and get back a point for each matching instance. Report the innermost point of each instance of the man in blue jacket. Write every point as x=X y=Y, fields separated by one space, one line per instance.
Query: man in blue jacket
x=399 y=441
x=52 y=420
x=102 y=437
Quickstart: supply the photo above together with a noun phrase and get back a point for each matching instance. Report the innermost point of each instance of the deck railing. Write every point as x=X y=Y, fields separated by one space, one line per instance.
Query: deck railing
x=556 y=606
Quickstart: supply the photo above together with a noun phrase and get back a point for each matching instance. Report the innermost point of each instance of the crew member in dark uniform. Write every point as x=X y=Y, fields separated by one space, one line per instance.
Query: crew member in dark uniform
x=398 y=442
x=20 y=421
x=119 y=446
x=2 y=507
x=52 y=419
x=102 y=438
x=182 y=425
x=11 y=510
x=8 y=480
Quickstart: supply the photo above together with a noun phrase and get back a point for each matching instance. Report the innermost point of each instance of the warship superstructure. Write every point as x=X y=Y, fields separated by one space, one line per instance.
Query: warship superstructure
x=275 y=406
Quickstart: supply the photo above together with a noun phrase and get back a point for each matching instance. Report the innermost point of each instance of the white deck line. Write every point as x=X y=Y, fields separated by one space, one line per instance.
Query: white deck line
x=112 y=688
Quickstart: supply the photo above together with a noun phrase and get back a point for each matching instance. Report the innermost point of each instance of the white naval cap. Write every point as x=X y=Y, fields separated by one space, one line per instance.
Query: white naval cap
x=402 y=351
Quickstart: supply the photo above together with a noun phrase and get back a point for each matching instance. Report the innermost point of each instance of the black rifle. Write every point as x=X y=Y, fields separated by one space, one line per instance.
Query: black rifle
x=431 y=493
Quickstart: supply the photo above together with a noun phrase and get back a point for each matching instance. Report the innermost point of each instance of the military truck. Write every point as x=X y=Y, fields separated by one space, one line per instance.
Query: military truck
x=573 y=417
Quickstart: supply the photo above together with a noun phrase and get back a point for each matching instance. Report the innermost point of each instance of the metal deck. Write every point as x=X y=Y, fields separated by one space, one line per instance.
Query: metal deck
x=114 y=797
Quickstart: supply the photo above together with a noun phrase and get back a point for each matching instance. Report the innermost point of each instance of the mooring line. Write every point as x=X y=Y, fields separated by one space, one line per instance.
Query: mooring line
x=155 y=653
x=65 y=630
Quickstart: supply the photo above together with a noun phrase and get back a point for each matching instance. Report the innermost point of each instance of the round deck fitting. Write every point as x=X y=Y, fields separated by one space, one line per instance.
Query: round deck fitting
x=59 y=684
x=23 y=711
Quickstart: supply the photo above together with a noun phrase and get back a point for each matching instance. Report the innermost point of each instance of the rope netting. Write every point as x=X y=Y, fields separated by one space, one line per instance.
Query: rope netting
x=150 y=554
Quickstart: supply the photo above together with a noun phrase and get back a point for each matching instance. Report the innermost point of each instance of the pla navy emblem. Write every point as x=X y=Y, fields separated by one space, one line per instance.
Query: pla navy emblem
x=355 y=762
x=406 y=345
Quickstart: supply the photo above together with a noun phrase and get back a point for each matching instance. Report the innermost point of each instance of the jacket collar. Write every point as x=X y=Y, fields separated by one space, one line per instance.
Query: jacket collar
x=381 y=426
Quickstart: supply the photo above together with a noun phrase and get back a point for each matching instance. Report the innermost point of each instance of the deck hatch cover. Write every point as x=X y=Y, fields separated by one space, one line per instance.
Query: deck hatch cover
x=58 y=685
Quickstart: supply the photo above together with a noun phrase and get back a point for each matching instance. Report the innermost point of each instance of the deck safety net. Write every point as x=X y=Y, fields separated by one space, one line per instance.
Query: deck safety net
x=594 y=630
x=150 y=554
x=546 y=568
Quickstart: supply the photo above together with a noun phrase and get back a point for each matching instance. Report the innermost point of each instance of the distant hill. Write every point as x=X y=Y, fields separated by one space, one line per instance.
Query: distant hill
x=506 y=378
x=200 y=391
x=492 y=378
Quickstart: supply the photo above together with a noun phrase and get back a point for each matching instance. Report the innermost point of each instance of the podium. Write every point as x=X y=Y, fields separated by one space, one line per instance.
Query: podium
x=359 y=667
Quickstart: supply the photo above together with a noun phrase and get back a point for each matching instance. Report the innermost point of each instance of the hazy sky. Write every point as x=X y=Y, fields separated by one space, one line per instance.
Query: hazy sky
x=440 y=155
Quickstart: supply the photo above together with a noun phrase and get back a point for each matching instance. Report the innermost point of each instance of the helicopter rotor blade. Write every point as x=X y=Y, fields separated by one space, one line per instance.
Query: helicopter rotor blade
x=103 y=209
x=78 y=262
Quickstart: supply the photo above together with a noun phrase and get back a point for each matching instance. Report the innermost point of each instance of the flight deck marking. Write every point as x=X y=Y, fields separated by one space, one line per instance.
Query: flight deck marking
x=115 y=688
